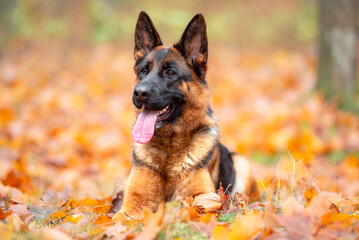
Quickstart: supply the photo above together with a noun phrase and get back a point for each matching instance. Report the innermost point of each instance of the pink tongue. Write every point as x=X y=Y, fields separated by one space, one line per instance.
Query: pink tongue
x=144 y=127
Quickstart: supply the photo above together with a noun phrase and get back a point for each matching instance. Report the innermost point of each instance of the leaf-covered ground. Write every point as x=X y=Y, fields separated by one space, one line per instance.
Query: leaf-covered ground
x=65 y=149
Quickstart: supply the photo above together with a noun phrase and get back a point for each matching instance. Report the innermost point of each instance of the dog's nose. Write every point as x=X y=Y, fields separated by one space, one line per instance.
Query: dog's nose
x=142 y=92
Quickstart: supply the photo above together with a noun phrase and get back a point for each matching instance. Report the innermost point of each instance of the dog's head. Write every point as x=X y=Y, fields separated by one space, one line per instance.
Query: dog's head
x=171 y=91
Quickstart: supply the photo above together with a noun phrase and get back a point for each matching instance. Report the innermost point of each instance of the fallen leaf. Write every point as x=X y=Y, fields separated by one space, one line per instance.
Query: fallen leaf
x=4 y=215
x=248 y=226
x=309 y=194
x=207 y=202
x=221 y=232
x=152 y=224
x=291 y=205
x=115 y=232
x=73 y=219
x=296 y=227
x=319 y=206
x=16 y=222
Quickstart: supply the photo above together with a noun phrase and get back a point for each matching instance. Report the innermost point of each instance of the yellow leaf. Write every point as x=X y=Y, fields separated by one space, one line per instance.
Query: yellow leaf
x=102 y=219
x=72 y=219
x=57 y=215
x=95 y=231
x=309 y=194
x=70 y=203
x=332 y=217
x=247 y=226
x=5 y=116
x=220 y=232
x=207 y=217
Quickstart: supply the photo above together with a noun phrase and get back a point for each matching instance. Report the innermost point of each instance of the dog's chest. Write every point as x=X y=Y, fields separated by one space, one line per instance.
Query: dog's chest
x=174 y=165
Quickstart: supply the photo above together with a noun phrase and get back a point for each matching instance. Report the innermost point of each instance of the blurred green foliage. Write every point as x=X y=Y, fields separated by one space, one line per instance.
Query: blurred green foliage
x=227 y=217
x=237 y=22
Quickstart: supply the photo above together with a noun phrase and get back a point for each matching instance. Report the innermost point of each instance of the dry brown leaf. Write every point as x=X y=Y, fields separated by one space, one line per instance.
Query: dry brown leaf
x=207 y=202
x=205 y=228
x=296 y=227
x=21 y=210
x=18 y=179
x=152 y=224
x=16 y=222
x=319 y=206
x=269 y=216
x=3 y=214
x=291 y=205
x=336 y=225
x=240 y=200
x=347 y=206
x=116 y=231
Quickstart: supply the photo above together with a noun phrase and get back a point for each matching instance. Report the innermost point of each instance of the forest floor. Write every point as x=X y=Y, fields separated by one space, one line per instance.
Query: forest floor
x=66 y=119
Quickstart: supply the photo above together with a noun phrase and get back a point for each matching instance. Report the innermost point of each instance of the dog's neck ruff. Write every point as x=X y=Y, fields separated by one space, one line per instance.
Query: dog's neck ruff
x=198 y=153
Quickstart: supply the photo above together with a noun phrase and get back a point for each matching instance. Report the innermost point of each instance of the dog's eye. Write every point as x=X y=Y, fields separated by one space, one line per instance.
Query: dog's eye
x=170 y=73
x=143 y=71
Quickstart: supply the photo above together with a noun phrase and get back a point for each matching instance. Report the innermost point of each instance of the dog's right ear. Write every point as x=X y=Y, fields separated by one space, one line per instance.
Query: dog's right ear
x=146 y=36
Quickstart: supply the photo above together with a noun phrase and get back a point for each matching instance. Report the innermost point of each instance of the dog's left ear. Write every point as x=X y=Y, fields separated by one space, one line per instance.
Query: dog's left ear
x=146 y=36
x=193 y=45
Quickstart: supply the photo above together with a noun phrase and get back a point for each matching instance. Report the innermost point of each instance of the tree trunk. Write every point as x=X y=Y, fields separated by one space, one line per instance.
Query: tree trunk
x=6 y=24
x=337 y=78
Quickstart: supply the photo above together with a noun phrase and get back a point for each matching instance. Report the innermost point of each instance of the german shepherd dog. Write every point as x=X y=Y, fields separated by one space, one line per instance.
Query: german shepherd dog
x=177 y=150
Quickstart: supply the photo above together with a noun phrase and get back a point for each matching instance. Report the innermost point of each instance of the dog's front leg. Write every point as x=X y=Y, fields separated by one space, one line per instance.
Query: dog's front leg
x=145 y=190
x=191 y=184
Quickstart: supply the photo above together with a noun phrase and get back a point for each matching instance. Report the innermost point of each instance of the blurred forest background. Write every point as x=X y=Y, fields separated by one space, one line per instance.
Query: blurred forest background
x=66 y=114
x=239 y=23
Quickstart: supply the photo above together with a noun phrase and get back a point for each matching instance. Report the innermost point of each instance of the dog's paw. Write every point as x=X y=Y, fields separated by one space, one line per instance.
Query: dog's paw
x=119 y=217
x=126 y=216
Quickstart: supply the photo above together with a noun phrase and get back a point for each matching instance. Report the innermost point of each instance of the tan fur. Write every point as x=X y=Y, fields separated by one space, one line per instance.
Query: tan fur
x=144 y=189
x=244 y=178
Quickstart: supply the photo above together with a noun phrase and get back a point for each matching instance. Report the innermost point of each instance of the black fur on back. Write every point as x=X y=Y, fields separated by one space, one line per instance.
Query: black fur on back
x=226 y=169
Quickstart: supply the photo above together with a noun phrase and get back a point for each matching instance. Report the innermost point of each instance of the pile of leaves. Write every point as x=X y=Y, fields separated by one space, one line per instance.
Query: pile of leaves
x=65 y=149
